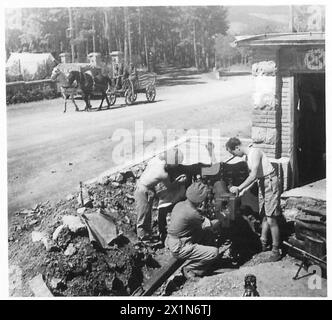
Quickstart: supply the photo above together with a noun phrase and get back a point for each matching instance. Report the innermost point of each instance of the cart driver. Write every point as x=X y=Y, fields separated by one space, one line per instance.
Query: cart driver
x=133 y=76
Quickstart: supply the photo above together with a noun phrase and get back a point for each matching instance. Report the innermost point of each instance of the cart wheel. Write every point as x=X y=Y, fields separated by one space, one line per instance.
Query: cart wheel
x=129 y=97
x=134 y=97
x=111 y=98
x=150 y=93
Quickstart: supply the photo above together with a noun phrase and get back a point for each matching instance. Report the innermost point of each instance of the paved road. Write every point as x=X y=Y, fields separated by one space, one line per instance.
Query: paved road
x=49 y=152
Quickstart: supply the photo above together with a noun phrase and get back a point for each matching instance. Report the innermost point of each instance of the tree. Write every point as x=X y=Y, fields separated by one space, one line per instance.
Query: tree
x=180 y=35
x=198 y=30
x=224 y=50
x=13 y=41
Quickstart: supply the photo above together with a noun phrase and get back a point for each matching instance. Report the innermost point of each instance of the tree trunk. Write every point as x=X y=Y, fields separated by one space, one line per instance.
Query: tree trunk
x=204 y=57
x=87 y=49
x=107 y=32
x=172 y=49
x=155 y=48
x=71 y=34
x=195 y=45
x=165 y=58
x=187 y=61
x=125 y=11
x=139 y=34
x=79 y=48
x=93 y=35
x=119 y=44
x=116 y=33
x=215 y=59
x=146 y=51
x=129 y=39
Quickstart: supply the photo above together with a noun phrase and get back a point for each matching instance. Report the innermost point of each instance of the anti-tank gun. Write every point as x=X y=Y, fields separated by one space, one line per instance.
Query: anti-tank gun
x=218 y=178
x=220 y=203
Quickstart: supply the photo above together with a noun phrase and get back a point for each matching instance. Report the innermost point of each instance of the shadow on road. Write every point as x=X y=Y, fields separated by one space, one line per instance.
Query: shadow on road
x=136 y=103
x=176 y=81
x=174 y=71
x=173 y=76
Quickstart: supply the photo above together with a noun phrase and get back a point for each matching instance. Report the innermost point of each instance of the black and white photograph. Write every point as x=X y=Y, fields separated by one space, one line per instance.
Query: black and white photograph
x=170 y=150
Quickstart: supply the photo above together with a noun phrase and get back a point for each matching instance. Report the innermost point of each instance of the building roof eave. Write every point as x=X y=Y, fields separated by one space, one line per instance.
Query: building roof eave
x=281 y=39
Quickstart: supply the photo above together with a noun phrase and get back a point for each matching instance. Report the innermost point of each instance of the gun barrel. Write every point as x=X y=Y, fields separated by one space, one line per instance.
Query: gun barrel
x=304 y=253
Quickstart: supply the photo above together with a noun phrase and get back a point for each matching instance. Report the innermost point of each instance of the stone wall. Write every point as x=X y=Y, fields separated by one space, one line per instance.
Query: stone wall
x=25 y=91
x=266 y=113
x=271 y=115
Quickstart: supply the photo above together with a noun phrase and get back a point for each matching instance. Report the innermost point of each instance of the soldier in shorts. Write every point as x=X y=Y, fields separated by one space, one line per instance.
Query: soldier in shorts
x=154 y=173
x=262 y=171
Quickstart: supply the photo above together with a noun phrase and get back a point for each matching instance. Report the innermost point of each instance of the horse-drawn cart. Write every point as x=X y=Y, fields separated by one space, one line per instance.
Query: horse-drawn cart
x=85 y=80
x=142 y=83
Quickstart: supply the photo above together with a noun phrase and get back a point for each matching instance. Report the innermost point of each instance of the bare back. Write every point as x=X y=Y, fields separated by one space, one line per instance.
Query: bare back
x=264 y=166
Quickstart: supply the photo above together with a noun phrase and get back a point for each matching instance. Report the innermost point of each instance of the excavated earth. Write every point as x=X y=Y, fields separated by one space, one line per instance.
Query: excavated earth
x=88 y=270
x=70 y=265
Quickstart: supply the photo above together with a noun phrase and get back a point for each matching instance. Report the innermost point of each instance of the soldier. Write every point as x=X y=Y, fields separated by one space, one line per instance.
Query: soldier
x=176 y=192
x=133 y=76
x=191 y=235
x=154 y=173
x=262 y=171
x=117 y=77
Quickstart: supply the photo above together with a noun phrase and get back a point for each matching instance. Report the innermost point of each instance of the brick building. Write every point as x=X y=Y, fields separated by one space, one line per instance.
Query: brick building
x=288 y=117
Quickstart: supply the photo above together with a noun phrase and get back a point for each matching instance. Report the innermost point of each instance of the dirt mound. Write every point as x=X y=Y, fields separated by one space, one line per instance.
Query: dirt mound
x=70 y=264
x=90 y=272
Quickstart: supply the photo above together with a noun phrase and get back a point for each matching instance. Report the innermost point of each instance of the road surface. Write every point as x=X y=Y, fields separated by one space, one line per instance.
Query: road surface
x=49 y=151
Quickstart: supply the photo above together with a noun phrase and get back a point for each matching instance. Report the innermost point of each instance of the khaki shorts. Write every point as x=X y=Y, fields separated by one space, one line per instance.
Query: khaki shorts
x=269 y=196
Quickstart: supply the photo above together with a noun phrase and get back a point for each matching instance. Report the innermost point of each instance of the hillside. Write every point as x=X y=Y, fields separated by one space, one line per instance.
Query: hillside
x=258 y=19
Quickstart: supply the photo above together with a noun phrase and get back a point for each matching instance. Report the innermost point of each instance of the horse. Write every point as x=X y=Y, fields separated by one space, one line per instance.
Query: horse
x=67 y=91
x=86 y=82
x=89 y=83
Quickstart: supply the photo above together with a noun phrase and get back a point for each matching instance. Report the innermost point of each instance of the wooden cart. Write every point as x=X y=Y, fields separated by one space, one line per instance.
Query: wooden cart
x=142 y=83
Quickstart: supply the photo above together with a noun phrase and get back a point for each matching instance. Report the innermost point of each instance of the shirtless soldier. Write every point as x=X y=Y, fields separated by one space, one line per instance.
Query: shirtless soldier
x=154 y=173
x=262 y=171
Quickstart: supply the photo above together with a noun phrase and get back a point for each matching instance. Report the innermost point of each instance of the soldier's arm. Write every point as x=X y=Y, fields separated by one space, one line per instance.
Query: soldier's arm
x=210 y=148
